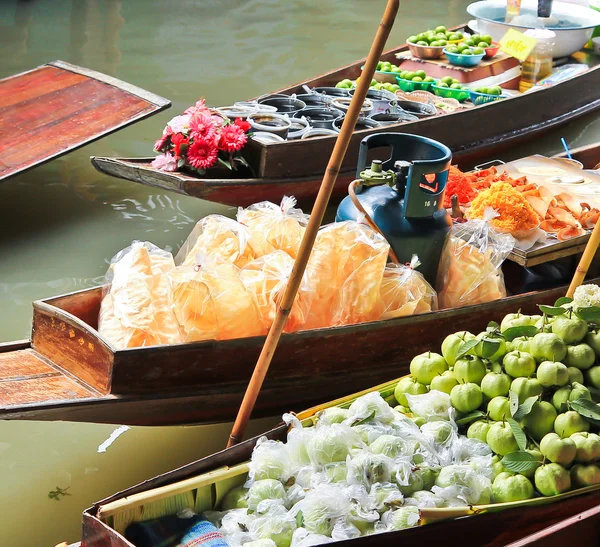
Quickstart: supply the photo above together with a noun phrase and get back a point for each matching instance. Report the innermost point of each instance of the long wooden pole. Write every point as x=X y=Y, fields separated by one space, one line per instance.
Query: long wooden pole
x=586 y=259
x=316 y=218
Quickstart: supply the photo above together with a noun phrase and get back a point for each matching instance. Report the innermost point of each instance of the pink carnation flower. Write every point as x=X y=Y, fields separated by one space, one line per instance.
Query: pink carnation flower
x=180 y=124
x=200 y=106
x=167 y=132
x=202 y=154
x=202 y=127
x=165 y=162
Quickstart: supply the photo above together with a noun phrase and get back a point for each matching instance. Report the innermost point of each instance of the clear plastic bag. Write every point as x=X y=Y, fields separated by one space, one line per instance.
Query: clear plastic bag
x=470 y=266
x=433 y=405
x=211 y=302
x=274 y=227
x=216 y=237
x=270 y=460
x=135 y=309
x=404 y=291
x=266 y=279
x=344 y=274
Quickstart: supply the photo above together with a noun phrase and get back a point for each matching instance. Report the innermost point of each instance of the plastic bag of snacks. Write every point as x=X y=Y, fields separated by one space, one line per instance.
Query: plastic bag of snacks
x=211 y=302
x=274 y=227
x=216 y=237
x=470 y=265
x=266 y=279
x=135 y=309
x=404 y=291
x=344 y=274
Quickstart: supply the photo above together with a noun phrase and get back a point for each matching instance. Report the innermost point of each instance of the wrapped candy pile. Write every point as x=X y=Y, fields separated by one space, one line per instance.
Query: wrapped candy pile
x=359 y=471
x=228 y=277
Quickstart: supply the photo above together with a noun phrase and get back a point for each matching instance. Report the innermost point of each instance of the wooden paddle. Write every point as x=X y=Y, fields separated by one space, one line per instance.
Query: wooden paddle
x=316 y=218
x=586 y=259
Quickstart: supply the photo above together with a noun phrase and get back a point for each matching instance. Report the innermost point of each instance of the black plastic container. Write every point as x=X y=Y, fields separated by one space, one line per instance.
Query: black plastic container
x=321 y=117
x=394 y=117
x=420 y=110
x=361 y=123
x=284 y=104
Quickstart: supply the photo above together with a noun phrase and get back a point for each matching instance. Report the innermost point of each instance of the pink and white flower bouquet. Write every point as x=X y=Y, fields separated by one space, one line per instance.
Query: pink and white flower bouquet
x=199 y=139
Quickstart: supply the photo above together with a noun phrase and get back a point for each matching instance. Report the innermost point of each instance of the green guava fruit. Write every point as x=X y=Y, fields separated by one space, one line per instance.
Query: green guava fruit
x=444 y=382
x=540 y=420
x=585 y=475
x=469 y=369
x=570 y=422
x=499 y=408
x=592 y=339
x=518 y=364
x=588 y=446
x=408 y=385
x=525 y=388
x=571 y=329
x=235 y=499
x=552 y=374
x=538 y=455
x=548 y=347
x=592 y=376
x=575 y=375
x=498 y=468
x=452 y=343
x=581 y=356
x=485 y=350
x=558 y=450
x=501 y=439
x=478 y=430
x=518 y=320
x=568 y=393
x=415 y=482
x=466 y=397
x=508 y=487
x=427 y=366
x=521 y=343
x=495 y=384
x=552 y=479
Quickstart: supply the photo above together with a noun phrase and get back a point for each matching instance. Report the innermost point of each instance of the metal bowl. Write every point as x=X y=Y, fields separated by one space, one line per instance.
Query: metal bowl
x=420 y=110
x=490 y=20
x=426 y=52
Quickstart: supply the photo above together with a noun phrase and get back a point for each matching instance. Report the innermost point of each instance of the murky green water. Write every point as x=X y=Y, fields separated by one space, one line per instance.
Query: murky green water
x=62 y=222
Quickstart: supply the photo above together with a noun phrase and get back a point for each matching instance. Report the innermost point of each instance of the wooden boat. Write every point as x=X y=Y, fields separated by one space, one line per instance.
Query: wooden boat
x=295 y=167
x=68 y=372
x=538 y=521
x=59 y=107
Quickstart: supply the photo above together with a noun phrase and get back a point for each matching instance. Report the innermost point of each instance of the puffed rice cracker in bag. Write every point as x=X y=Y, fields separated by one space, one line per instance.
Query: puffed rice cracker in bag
x=274 y=227
x=266 y=279
x=470 y=266
x=344 y=274
x=211 y=302
x=405 y=291
x=135 y=310
x=216 y=236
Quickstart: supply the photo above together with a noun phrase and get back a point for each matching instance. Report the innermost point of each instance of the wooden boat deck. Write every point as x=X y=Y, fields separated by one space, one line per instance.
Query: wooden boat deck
x=59 y=107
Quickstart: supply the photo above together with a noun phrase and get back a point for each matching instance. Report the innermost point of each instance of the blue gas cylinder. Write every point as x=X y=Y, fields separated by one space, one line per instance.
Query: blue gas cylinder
x=404 y=196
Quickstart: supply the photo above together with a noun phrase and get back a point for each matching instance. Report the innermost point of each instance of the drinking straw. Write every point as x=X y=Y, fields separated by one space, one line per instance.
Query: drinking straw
x=316 y=218
x=564 y=143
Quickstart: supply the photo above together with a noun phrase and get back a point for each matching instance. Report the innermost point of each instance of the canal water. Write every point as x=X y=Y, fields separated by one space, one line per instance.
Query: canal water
x=62 y=222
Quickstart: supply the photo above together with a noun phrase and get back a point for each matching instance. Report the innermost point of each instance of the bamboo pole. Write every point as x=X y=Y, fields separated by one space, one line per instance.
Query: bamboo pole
x=586 y=259
x=316 y=217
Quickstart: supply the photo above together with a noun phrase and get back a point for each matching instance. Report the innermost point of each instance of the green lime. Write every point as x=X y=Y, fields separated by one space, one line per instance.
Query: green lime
x=455 y=81
x=466 y=52
x=478 y=51
x=422 y=43
x=395 y=87
x=417 y=79
x=428 y=79
x=409 y=75
x=462 y=46
x=483 y=45
x=420 y=74
x=475 y=37
x=470 y=42
x=413 y=39
x=419 y=37
x=483 y=90
x=486 y=38
x=495 y=90
x=442 y=42
x=448 y=80
x=455 y=86
x=442 y=84
x=396 y=69
x=379 y=65
x=441 y=28
x=454 y=36
x=452 y=49
x=435 y=43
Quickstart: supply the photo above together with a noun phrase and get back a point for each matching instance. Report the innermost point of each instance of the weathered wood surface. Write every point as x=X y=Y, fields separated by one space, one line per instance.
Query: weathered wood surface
x=205 y=381
x=58 y=107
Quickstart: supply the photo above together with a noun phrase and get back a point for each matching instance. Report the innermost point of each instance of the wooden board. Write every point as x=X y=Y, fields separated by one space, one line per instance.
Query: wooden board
x=58 y=107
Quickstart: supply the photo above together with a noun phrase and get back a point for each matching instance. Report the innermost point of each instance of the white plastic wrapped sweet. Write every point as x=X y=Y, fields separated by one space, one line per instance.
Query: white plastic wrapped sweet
x=303 y=538
x=425 y=498
x=332 y=444
x=270 y=460
x=278 y=526
x=391 y=446
x=460 y=485
x=266 y=489
x=321 y=507
x=370 y=407
x=385 y=495
x=333 y=415
x=434 y=405
x=399 y=519
x=367 y=469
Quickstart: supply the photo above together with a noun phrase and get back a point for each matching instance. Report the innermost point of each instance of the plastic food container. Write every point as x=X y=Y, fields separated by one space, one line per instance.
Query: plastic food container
x=463 y=60
x=483 y=98
x=383 y=77
x=409 y=85
x=426 y=52
x=492 y=50
x=460 y=95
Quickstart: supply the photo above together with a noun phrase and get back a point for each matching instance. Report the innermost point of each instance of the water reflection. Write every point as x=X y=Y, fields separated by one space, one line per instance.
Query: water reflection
x=14 y=38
